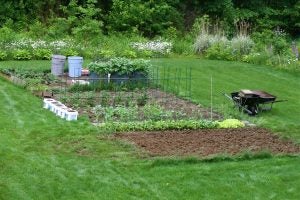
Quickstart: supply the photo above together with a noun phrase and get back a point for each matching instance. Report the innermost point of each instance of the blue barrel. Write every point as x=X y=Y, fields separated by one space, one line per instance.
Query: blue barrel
x=75 y=66
x=57 y=66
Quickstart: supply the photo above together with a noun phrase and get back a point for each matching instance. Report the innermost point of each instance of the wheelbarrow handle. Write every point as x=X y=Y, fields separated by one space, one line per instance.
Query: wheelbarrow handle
x=280 y=101
x=226 y=95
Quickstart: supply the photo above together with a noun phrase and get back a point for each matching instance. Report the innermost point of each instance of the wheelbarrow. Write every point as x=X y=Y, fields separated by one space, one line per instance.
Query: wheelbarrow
x=253 y=101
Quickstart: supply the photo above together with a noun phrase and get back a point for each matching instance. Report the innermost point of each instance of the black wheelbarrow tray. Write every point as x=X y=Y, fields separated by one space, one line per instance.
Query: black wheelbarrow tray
x=253 y=101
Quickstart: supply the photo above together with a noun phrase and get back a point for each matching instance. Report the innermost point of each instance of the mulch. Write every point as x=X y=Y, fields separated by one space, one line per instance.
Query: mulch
x=208 y=142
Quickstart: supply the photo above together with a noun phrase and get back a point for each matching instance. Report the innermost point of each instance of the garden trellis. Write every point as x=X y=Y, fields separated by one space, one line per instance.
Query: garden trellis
x=162 y=83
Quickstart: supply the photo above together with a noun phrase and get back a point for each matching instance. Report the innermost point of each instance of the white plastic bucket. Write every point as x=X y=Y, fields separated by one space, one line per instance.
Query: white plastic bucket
x=71 y=115
x=75 y=66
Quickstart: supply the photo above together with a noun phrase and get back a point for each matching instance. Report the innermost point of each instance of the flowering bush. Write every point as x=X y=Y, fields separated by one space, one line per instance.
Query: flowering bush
x=156 y=46
x=204 y=41
x=242 y=44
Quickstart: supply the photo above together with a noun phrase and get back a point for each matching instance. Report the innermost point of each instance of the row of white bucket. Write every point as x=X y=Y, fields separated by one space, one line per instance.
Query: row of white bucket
x=60 y=109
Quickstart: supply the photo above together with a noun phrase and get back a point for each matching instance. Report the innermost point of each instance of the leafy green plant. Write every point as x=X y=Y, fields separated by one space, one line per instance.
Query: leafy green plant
x=3 y=55
x=77 y=87
x=129 y=54
x=231 y=123
x=22 y=54
x=107 y=54
x=158 y=125
x=42 y=54
x=219 y=52
x=104 y=98
x=69 y=52
x=142 y=99
x=155 y=112
x=120 y=66
x=98 y=111
x=90 y=98
x=126 y=114
x=118 y=99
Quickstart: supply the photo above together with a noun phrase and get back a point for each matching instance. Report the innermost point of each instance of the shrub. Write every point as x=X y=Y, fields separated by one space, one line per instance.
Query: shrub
x=275 y=41
x=120 y=65
x=204 y=41
x=42 y=54
x=107 y=54
x=7 y=34
x=231 y=123
x=3 y=55
x=129 y=54
x=242 y=45
x=22 y=55
x=69 y=52
x=256 y=58
x=219 y=52
x=183 y=46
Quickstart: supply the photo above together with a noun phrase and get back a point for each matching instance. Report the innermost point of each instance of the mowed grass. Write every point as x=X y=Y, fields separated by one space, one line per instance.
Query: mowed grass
x=233 y=76
x=44 y=157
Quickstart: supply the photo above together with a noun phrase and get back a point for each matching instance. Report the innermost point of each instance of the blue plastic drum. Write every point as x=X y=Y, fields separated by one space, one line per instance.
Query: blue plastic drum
x=75 y=66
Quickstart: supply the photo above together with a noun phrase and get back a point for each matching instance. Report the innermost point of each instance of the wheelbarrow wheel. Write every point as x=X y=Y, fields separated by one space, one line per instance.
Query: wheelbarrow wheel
x=253 y=109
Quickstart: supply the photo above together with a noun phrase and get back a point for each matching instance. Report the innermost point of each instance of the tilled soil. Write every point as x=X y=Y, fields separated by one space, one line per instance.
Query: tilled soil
x=209 y=142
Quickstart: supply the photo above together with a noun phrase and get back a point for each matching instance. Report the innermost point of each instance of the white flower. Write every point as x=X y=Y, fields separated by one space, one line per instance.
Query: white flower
x=155 y=46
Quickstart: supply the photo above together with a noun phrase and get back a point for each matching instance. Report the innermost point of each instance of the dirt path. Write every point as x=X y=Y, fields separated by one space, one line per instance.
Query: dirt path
x=209 y=142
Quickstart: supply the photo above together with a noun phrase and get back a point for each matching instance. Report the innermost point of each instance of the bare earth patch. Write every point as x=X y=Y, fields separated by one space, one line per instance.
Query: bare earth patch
x=209 y=142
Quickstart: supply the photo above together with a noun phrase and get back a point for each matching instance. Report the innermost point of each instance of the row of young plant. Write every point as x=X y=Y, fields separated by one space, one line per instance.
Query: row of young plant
x=106 y=98
x=185 y=124
x=36 y=81
x=148 y=112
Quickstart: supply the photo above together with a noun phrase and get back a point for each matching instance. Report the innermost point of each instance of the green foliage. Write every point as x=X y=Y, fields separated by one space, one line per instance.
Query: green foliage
x=155 y=112
x=22 y=54
x=219 y=52
x=142 y=99
x=158 y=125
x=37 y=30
x=70 y=52
x=68 y=156
x=231 y=123
x=274 y=41
x=142 y=16
x=42 y=54
x=3 y=55
x=7 y=34
x=129 y=54
x=241 y=45
x=205 y=41
x=120 y=66
x=83 y=20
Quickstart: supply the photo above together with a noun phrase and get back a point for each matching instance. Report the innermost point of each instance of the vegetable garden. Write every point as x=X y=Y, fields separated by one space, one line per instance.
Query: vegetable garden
x=128 y=99
x=122 y=95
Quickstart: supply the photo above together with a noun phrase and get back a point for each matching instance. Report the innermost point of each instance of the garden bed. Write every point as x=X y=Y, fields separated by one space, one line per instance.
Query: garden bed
x=180 y=107
x=208 y=142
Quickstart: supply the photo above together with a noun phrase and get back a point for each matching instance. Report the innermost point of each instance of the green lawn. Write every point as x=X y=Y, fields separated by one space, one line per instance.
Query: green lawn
x=43 y=157
x=233 y=76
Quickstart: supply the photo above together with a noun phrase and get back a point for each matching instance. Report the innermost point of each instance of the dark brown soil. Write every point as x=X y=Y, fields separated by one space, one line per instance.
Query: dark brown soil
x=209 y=142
